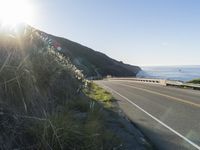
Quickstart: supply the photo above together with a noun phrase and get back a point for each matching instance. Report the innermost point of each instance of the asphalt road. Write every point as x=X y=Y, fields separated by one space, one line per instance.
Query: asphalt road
x=168 y=116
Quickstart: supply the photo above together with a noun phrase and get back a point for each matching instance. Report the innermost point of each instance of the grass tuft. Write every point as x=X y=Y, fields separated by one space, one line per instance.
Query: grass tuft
x=95 y=92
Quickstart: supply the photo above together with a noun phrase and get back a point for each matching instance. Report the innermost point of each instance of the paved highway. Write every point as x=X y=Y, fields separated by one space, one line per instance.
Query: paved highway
x=168 y=116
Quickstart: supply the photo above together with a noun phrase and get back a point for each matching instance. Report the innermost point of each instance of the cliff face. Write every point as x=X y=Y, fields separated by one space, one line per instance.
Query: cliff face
x=91 y=62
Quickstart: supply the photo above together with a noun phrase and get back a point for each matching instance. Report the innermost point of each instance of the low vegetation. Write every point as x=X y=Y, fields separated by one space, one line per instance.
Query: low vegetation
x=45 y=102
x=195 y=81
x=99 y=94
x=42 y=105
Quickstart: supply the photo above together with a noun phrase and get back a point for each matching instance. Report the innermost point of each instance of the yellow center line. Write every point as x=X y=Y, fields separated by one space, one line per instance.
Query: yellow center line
x=164 y=95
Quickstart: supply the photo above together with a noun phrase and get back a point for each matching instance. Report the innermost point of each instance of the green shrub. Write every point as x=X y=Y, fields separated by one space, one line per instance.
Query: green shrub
x=195 y=81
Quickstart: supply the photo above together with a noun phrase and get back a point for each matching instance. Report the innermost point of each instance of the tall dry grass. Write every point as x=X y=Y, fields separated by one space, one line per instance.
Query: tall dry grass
x=41 y=106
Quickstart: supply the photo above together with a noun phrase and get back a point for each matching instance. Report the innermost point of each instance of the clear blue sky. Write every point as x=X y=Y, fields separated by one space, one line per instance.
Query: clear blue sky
x=140 y=32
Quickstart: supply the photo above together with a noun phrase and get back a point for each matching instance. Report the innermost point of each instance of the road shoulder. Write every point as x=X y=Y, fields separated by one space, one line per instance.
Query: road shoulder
x=131 y=136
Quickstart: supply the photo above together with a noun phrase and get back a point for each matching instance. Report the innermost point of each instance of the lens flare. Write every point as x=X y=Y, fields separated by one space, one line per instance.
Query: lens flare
x=15 y=11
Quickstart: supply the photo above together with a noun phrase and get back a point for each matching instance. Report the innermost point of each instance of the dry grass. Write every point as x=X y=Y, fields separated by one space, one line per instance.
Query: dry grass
x=41 y=106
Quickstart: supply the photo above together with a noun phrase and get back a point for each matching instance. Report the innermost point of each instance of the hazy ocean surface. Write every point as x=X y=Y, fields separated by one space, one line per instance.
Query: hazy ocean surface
x=181 y=73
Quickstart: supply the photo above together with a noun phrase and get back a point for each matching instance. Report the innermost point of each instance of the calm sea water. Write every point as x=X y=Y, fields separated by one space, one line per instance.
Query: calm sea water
x=181 y=73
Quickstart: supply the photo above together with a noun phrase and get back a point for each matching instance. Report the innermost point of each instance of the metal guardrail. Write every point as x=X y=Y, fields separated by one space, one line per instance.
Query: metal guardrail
x=161 y=82
x=175 y=83
x=155 y=81
x=184 y=85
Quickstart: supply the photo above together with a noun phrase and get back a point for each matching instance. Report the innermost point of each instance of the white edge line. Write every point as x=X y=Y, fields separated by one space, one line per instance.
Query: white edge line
x=166 y=126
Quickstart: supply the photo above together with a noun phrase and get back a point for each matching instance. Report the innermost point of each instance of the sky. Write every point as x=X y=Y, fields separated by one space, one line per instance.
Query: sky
x=138 y=32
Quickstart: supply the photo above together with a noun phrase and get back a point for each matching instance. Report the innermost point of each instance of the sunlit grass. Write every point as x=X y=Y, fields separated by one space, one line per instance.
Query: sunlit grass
x=40 y=106
x=99 y=94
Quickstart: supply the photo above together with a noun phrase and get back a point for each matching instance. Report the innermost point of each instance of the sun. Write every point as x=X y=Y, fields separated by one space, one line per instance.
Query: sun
x=16 y=11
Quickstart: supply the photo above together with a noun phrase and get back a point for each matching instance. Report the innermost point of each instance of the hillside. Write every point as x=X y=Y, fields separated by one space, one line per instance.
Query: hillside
x=91 y=62
x=45 y=102
x=36 y=83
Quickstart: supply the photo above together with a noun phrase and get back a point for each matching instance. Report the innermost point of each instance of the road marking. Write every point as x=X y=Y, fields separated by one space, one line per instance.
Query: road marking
x=157 y=93
x=156 y=119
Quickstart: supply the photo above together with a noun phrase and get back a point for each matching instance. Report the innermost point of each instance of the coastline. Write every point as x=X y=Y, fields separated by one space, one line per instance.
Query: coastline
x=177 y=73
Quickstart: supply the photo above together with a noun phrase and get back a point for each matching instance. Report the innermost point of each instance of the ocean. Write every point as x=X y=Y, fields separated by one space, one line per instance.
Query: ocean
x=180 y=73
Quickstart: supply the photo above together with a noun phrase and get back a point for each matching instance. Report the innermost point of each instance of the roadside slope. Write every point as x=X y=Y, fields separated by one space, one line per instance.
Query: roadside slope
x=42 y=105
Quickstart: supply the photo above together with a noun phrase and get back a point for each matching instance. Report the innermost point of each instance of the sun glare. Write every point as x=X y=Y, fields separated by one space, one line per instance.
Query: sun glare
x=15 y=11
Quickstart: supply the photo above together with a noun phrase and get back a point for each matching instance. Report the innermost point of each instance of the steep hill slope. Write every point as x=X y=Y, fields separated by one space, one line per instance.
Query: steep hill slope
x=91 y=62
